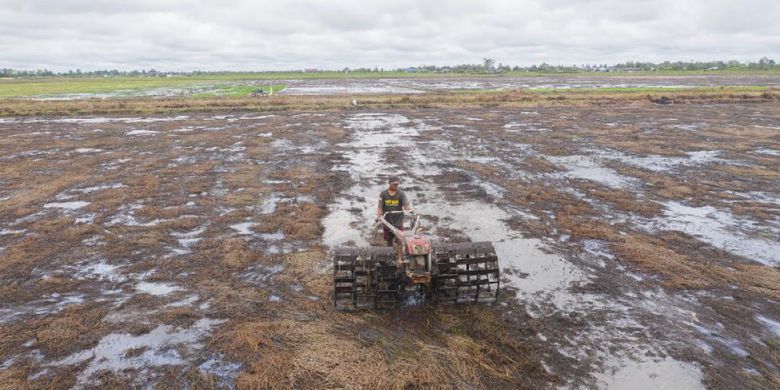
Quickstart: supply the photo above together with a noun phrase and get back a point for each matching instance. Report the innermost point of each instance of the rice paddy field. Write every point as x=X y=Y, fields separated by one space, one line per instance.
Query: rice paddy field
x=184 y=242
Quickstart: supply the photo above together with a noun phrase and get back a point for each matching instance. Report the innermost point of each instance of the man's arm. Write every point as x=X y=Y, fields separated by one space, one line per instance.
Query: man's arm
x=405 y=202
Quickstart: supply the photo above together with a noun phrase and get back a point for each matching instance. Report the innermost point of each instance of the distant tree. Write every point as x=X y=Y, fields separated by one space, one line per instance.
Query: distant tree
x=766 y=63
x=488 y=64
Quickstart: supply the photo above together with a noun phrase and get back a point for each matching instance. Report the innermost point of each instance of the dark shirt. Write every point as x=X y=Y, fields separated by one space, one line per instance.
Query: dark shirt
x=393 y=203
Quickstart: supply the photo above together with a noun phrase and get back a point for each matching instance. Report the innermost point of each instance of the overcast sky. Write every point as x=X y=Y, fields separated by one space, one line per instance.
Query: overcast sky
x=293 y=34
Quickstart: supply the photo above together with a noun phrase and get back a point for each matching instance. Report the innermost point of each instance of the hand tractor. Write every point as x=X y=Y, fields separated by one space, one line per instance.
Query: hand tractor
x=371 y=277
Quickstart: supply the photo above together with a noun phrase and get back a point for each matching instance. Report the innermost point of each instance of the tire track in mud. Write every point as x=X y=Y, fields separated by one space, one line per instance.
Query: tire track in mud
x=605 y=345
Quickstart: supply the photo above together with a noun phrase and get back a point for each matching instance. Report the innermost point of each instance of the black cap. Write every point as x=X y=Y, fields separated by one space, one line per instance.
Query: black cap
x=393 y=179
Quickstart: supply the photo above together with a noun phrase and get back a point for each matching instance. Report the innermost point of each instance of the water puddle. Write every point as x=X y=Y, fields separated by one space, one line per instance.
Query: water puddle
x=585 y=167
x=126 y=216
x=244 y=228
x=142 y=132
x=522 y=127
x=11 y=231
x=687 y=127
x=772 y=325
x=163 y=346
x=259 y=275
x=101 y=187
x=375 y=130
x=599 y=250
x=101 y=271
x=373 y=133
x=662 y=163
x=186 y=302
x=189 y=238
x=720 y=229
x=52 y=304
x=362 y=162
x=156 y=289
x=346 y=87
x=268 y=205
x=276 y=236
x=87 y=150
x=768 y=152
x=533 y=272
x=758 y=196
x=490 y=189
x=226 y=372
x=651 y=375
x=100 y=119
x=66 y=205
x=351 y=218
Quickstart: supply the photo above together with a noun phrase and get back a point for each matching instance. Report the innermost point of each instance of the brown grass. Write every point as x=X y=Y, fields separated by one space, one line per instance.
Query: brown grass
x=622 y=199
x=751 y=171
x=247 y=177
x=443 y=350
x=678 y=270
x=662 y=185
x=538 y=165
x=25 y=107
x=175 y=378
x=179 y=316
x=694 y=271
x=236 y=253
x=758 y=210
x=298 y=221
x=75 y=329
x=19 y=258
x=581 y=227
x=13 y=379
x=38 y=189
x=305 y=268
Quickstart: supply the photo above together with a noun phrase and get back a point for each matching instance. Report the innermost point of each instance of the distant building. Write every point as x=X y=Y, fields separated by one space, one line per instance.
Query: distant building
x=311 y=70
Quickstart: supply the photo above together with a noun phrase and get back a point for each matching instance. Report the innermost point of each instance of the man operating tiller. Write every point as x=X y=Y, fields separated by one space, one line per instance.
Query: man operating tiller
x=390 y=200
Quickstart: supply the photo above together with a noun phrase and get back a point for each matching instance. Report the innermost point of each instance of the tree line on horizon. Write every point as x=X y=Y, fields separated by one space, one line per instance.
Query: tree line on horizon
x=487 y=66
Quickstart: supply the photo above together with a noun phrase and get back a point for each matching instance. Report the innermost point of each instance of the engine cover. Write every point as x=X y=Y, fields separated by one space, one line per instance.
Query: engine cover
x=418 y=245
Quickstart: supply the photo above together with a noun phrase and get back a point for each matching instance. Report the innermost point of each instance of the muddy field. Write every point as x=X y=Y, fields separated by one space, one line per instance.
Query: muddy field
x=416 y=85
x=638 y=245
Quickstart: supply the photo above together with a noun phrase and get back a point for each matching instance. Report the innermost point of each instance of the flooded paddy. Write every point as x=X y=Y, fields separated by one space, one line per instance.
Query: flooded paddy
x=415 y=85
x=637 y=243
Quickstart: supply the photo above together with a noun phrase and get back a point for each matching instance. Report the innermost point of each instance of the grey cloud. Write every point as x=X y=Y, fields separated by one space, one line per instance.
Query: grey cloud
x=265 y=35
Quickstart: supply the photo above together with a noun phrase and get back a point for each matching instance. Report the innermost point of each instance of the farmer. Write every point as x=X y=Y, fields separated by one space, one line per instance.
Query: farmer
x=393 y=199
